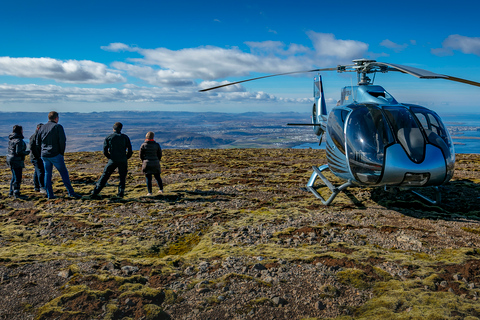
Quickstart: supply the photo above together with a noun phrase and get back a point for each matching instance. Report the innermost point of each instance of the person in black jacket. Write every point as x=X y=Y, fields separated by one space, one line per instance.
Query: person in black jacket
x=17 y=150
x=35 y=157
x=118 y=149
x=51 y=143
x=151 y=154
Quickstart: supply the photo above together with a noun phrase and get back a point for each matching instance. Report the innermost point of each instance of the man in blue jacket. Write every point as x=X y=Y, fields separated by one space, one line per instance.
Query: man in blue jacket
x=118 y=149
x=51 y=141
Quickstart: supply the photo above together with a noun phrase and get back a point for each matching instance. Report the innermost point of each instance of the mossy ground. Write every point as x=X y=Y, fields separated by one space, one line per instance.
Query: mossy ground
x=414 y=261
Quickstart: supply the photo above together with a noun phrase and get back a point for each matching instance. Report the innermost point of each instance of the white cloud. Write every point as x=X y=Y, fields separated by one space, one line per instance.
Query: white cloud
x=162 y=66
x=392 y=45
x=326 y=45
x=117 y=46
x=276 y=48
x=168 y=78
x=71 y=71
x=467 y=45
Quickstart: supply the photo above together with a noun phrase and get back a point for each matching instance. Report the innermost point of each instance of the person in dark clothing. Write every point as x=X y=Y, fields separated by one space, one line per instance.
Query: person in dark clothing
x=17 y=150
x=151 y=154
x=35 y=157
x=117 y=149
x=51 y=143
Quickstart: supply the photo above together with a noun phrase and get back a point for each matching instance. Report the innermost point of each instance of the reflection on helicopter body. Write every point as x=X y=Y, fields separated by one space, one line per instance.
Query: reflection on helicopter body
x=376 y=141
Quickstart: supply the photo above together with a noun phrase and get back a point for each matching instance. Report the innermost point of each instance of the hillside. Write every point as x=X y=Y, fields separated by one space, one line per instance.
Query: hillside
x=235 y=236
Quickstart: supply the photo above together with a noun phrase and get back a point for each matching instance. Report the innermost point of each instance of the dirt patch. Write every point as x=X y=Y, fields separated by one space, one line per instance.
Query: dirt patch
x=26 y=216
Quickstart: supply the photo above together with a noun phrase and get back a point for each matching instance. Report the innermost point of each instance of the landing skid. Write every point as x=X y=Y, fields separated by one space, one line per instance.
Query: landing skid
x=317 y=172
x=438 y=195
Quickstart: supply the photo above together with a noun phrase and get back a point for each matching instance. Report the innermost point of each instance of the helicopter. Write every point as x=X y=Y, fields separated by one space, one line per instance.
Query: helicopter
x=372 y=140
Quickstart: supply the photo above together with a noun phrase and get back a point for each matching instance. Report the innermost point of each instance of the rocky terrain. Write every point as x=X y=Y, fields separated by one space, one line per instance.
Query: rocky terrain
x=236 y=236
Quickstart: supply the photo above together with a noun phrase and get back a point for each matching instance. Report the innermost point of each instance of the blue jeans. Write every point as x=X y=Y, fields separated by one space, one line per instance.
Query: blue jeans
x=16 y=181
x=59 y=163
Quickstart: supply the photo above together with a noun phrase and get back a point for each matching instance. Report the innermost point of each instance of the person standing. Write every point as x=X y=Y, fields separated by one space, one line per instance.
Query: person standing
x=35 y=157
x=16 y=152
x=51 y=143
x=151 y=154
x=117 y=149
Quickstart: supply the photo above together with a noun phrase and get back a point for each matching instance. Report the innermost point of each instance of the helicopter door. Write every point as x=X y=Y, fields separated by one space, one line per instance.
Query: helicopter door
x=367 y=135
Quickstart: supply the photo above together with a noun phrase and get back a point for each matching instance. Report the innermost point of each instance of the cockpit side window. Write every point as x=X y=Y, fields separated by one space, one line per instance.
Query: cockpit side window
x=367 y=136
x=336 y=121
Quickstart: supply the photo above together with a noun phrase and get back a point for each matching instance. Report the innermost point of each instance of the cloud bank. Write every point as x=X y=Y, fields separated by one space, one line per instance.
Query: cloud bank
x=172 y=76
x=70 y=71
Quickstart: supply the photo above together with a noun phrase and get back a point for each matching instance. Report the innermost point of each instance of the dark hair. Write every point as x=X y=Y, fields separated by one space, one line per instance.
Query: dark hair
x=118 y=126
x=52 y=115
x=150 y=135
x=39 y=125
x=17 y=129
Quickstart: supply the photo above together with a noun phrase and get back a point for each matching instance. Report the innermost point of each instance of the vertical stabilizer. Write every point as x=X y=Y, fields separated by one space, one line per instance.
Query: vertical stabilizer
x=319 y=96
x=319 y=112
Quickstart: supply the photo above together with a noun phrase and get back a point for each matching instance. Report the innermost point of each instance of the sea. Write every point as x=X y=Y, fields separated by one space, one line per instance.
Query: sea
x=464 y=129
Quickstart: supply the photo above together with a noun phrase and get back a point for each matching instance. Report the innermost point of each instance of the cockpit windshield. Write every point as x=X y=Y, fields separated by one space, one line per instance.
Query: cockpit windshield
x=407 y=132
x=436 y=133
x=367 y=135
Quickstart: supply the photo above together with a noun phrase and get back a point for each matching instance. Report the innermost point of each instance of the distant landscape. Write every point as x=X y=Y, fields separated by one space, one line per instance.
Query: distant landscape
x=199 y=130
x=179 y=130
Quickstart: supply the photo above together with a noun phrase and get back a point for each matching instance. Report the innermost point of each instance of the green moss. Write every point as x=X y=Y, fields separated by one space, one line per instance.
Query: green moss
x=56 y=306
x=131 y=287
x=180 y=247
x=172 y=297
x=430 y=281
x=472 y=230
x=354 y=277
x=398 y=302
x=154 y=312
x=158 y=296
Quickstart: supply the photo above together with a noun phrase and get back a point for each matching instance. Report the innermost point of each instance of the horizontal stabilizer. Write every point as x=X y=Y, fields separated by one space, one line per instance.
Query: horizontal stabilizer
x=305 y=124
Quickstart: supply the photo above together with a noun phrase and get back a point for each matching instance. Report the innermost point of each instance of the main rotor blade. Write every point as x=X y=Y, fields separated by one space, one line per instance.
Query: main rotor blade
x=263 y=77
x=425 y=74
x=470 y=82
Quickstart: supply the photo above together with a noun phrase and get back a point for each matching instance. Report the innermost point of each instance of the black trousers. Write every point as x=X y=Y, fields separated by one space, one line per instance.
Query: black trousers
x=38 y=175
x=148 y=177
x=107 y=172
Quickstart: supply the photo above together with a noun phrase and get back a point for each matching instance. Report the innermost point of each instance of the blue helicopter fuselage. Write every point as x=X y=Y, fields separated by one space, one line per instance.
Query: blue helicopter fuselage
x=373 y=140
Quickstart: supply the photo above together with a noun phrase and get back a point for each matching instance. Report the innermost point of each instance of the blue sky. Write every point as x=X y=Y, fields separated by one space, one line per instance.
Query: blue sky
x=82 y=56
